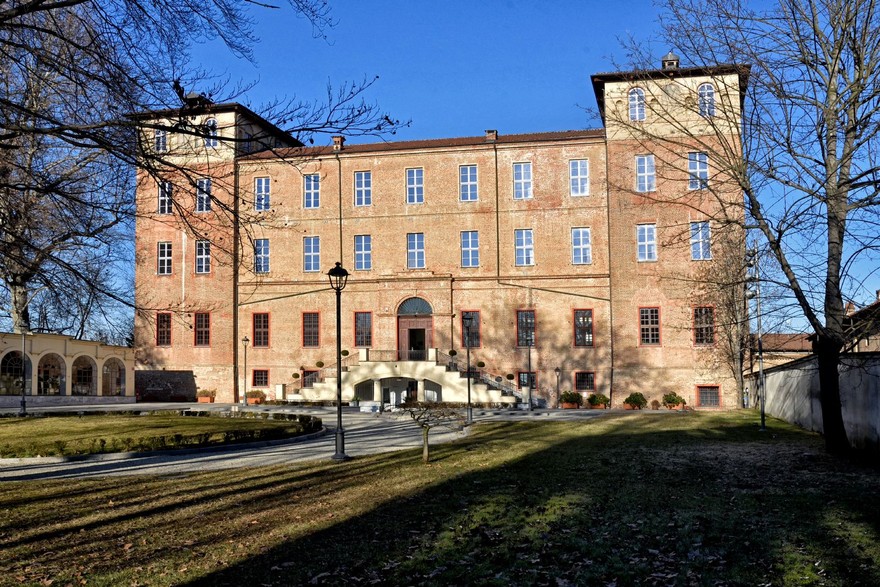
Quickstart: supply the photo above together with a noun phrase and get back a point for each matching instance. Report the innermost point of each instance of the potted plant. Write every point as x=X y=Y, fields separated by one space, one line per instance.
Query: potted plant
x=206 y=396
x=598 y=401
x=257 y=395
x=635 y=401
x=344 y=353
x=655 y=404
x=319 y=364
x=672 y=400
x=570 y=400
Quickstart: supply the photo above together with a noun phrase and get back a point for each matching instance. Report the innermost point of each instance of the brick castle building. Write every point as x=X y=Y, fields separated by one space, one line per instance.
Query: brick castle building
x=578 y=256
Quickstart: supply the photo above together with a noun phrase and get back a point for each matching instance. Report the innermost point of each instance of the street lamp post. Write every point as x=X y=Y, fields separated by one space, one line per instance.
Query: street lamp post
x=755 y=278
x=23 y=409
x=529 y=378
x=558 y=372
x=338 y=278
x=468 y=319
x=245 y=342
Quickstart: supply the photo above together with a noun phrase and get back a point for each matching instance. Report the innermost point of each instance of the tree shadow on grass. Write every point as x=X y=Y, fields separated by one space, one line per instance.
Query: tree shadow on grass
x=636 y=504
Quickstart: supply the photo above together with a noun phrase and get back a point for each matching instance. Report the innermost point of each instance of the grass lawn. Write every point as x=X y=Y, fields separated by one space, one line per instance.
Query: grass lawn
x=629 y=499
x=97 y=433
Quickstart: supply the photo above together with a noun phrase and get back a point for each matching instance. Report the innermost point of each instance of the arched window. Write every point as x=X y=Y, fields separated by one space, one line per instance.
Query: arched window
x=211 y=132
x=706 y=94
x=414 y=307
x=637 y=104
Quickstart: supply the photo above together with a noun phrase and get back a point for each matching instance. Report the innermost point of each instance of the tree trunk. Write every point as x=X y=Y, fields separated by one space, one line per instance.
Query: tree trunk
x=426 y=453
x=828 y=356
x=21 y=320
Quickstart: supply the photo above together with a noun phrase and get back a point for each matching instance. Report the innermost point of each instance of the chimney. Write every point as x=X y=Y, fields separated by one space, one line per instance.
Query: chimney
x=670 y=61
x=491 y=136
x=338 y=141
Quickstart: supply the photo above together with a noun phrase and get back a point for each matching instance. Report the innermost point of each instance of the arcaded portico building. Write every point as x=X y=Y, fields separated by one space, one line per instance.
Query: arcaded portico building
x=576 y=270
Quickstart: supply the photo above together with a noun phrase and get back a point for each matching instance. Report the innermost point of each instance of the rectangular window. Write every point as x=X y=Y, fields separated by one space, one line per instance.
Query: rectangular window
x=522 y=181
x=363 y=252
x=312 y=253
x=262 y=194
x=165 y=197
x=649 y=326
x=584 y=381
x=527 y=379
x=579 y=177
x=583 y=328
x=709 y=396
x=581 y=249
x=704 y=326
x=363 y=329
x=161 y=140
x=261 y=330
x=646 y=235
x=260 y=378
x=363 y=188
x=163 y=329
x=203 y=257
x=312 y=191
x=311 y=329
x=309 y=377
x=470 y=337
x=701 y=249
x=524 y=247
x=525 y=328
x=203 y=195
x=467 y=186
x=202 y=329
x=415 y=186
x=261 y=255
x=698 y=171
x=415 y=250
x=164 y=259
x=646 y=181
x=470 y=248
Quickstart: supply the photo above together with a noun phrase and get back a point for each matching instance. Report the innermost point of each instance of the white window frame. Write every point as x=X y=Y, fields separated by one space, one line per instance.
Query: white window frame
x=311 y=254
x=363 y=252
x=524 y=247
x=363 y=188
x=470 y=248
x=581 y=246
x=165 y=203
x=164 y=252
x=698 y=170
x=203 y=194
x=415 y=185
x=312 y=191
x=467 y=183
x=262 y=194
x=211 y=133
x=415 y=250
x=522 y=181
x=646 y=174
x=261 y=255
x=160 y=140
x=637 y=104
x=701 y=241
x=646 y=237
x=203 y=257
x=706 y=100
x=579 y=177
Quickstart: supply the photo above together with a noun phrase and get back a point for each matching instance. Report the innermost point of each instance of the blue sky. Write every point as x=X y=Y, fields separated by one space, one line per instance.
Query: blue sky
x=454 y=68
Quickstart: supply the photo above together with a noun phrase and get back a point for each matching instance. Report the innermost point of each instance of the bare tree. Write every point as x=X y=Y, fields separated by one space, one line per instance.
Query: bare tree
x=76 y=72
x=430 y=415
x=807 y=160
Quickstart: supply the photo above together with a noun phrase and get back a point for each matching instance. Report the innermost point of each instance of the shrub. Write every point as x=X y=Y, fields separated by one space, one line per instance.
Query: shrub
x=319 y=364
x=212 y=393
x=636 y=400
x=655 y=404
x=673 y=399
x=481 y=364
x=571 y=397
x=256 y=394
x=597 y=399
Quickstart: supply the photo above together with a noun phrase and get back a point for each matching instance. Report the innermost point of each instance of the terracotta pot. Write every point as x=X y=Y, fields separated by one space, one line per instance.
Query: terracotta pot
x=675 y=407
x=598 y=406
x=205 y=400
x=569 y=406
x=630 y=407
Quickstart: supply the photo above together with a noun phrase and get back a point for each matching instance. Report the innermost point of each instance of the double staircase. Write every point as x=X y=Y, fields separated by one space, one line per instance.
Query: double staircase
x=449 y=372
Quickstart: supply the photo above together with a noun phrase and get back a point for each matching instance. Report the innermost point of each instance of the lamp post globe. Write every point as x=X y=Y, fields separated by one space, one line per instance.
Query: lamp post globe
x=338 y=279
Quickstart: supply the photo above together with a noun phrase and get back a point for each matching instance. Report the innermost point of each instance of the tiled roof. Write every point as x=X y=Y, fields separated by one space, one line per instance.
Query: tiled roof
x=786 y=342
x=437 y=143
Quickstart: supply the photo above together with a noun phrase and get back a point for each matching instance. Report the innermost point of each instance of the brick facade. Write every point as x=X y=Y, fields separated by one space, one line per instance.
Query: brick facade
x=416 y=189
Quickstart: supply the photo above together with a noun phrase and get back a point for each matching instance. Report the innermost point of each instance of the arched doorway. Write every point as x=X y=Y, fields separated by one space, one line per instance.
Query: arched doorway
x=50 y=375
x=113 y=380
x=84 y=379
x=10 y=373
x=415 y=329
